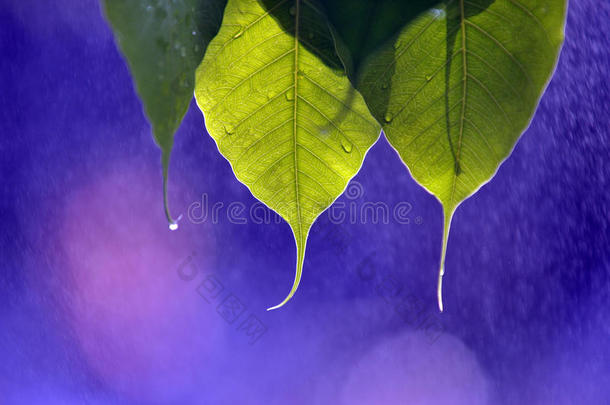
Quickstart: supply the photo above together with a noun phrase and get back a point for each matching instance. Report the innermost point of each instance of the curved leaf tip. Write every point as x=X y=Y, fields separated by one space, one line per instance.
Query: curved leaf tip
x=173 y=224
x=448 y=216
x=300 y=244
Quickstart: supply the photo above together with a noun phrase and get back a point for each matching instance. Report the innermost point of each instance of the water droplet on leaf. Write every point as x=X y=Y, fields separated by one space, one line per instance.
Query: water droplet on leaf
x=388 y=117
x=173 y=226
x=229 y=129
x=239 y=33
x=346 y=145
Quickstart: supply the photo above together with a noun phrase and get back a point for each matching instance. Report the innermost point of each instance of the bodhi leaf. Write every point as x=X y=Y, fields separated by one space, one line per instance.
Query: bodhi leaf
x=271 y=104
x=458 y=86
x=164 y=43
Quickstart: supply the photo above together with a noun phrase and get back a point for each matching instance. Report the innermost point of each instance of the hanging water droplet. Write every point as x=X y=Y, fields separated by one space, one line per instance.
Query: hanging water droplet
x=289 y=95
x=428 y=78
x=384 y=85
x=270 y=94
x=239 y=33
x=173 y=226
x=438 y=13
x=292 y=10
x=149 y=8
x=346 y=145
x=388 y=117
x=229 y=129
x=183 y=52
x=194 y=32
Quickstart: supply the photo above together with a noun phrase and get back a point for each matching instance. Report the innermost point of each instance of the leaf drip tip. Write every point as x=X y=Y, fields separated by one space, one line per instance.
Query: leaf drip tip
x=439 y=290
x=173 y=223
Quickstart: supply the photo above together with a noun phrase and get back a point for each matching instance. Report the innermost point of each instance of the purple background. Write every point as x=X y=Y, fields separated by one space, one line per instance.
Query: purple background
x=93 y=310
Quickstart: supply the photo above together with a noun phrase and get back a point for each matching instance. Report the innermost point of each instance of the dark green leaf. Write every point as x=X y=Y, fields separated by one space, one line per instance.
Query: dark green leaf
x=164 y=42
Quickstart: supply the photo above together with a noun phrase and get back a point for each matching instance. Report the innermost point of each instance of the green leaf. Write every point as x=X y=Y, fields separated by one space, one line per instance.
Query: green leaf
x=278 y=113
x=458 y=86
x=164 y=43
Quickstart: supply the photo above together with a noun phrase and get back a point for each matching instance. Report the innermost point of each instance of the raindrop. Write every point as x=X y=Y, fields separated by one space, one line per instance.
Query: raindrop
x=270 y=94
x=388 y=117
x=183 y=52
x=438 y=13
x=239 y=33
x=428 y=78
x=229 y=129
x=173 y=226
x=346 y=145
x=194 y=32
x=289 y=95
x=384 y=85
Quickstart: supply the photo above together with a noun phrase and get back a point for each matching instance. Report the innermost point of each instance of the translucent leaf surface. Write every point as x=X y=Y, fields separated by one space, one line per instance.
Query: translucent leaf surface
x=164 y=42
x=458 y=86
x=276 y=109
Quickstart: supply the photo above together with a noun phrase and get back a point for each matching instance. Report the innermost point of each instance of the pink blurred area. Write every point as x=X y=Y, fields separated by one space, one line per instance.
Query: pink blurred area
x=409 y=369
x=142 y=329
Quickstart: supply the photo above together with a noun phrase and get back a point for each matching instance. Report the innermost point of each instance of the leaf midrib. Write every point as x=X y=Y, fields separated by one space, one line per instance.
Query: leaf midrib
x=464 y=94
x=294 y=120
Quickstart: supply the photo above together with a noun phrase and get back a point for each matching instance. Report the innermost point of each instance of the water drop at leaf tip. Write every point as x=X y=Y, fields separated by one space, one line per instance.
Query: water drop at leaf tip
x=174 y=225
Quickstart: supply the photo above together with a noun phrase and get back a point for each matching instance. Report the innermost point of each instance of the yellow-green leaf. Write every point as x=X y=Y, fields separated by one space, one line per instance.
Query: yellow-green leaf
x=458 y=86
x=277 y=110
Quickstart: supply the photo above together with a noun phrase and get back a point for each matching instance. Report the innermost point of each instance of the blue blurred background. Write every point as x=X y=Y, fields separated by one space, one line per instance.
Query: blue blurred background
x=101 y=304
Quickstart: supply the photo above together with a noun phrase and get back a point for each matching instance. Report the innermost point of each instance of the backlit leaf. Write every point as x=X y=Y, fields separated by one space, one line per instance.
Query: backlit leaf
x=458 y=86
x=276 y=109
